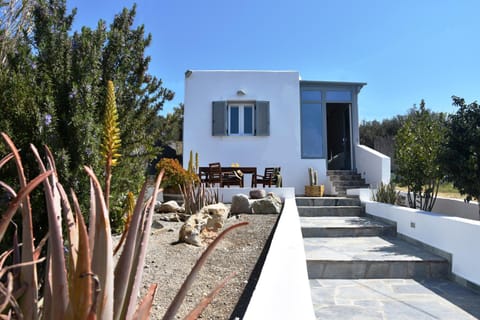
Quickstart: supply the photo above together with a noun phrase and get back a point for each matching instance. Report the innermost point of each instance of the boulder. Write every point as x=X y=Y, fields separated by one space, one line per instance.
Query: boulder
x=257 y=194
x=218 y=214
x=268 y=205
x=191 y=230
x=203 y=224
x=167 y=207
x=240 y=204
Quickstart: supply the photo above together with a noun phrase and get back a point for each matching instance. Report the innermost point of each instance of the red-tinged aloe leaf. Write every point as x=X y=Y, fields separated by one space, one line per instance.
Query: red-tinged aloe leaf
x=81 y=286
x=28 y=274
x=59 y=282
x=178 y=300
x=92 y=218
x=145 y=307
x=72 y=228
x=6 y=292
x=102 y=257
x=123 y=269
x=197 y=311
x=9 y=189
x=15 y=203
x=141 y=251
x=4 y=256
x=5 y=159
x=38 y=249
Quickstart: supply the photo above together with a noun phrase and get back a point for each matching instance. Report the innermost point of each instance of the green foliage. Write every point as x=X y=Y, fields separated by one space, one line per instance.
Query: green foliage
x=461 y=159
x=418 y=146
x=386 y=193
x=370 y=131
x=175 y=174
x=53 y=92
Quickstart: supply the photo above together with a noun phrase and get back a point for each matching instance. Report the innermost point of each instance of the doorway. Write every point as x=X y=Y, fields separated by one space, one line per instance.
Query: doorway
x=339 y=154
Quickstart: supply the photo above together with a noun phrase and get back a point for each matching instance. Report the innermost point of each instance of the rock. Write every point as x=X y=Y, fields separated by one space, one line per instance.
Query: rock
x=268 y=205
x=192 y=228
x=157 y=225
x=169 y=206
x=218 y=214
x=257 y=194
x=240 y=204
x=208 y=221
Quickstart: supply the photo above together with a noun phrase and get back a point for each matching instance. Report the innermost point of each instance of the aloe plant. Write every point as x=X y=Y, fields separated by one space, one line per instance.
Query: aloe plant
x=81 y=280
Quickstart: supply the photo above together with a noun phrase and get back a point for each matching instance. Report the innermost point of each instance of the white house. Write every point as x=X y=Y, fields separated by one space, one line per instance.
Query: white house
x=275 y=119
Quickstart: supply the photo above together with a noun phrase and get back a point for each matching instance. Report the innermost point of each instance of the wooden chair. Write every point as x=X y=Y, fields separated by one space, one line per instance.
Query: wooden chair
x=269 y=177
x=233 y=178
x=214 y=174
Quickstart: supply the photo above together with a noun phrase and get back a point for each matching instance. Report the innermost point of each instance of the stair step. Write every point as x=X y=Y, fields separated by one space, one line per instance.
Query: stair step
x=370 y=258
x=340 y=172
x=344 y=227
x=329 y=211
x=327 y=201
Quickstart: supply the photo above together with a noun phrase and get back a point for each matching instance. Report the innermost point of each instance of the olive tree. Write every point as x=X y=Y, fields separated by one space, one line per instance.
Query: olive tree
x=418 y=146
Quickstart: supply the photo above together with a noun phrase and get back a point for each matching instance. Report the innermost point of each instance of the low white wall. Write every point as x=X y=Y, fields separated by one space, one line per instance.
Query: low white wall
x=457 y=208
x=283 y=290
x=372 y=165
x=457 y=236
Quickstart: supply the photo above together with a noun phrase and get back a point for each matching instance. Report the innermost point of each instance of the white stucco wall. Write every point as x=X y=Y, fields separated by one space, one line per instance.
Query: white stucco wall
x=372 y=165
x=280 y=148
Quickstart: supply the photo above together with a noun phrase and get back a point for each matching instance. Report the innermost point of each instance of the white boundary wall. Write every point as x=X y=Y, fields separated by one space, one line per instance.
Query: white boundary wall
x=456 y=236
x=283 y=289
x=372 y=165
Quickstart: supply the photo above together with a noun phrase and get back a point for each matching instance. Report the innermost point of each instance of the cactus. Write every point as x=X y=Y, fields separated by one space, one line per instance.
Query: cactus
x=313 y=176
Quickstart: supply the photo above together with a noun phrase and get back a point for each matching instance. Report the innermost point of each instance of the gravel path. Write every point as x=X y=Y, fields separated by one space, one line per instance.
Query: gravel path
x=169 y=264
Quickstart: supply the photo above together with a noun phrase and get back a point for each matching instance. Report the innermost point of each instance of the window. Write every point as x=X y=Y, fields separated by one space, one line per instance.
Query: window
x=311 y=113
x=240 y=119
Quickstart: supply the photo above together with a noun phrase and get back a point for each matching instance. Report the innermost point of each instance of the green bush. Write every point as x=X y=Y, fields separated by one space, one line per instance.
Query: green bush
x=386 y=193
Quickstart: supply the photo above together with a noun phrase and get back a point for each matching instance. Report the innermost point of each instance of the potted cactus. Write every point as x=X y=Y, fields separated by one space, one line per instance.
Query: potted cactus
x=314 y=189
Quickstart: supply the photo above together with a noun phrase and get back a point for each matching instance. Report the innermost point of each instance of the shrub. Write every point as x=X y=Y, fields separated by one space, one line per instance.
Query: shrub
x=386 y=193
x=175 y=174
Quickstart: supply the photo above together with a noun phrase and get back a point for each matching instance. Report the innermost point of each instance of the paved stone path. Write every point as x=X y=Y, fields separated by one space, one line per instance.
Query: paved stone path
x=358 y=269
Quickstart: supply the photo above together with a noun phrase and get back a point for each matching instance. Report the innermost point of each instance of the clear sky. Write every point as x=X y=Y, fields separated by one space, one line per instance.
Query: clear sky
x=405 y=50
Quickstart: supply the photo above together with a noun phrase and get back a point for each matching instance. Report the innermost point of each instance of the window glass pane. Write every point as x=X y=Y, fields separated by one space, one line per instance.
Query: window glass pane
x=248 y=120
x=312 y=130
x=234 y=117
x=311 y=95
x=339 y=96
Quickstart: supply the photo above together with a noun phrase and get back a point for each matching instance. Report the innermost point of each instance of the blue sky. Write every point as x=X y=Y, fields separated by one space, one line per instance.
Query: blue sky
x=405 y=50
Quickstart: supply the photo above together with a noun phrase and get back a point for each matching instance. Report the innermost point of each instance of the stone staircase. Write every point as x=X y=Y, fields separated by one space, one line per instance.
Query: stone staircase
x=359 y=268
x=345 y=179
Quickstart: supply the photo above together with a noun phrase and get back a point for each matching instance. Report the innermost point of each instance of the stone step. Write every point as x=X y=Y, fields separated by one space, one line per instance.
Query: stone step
x=341 y=172
x=371 y=258
x=344 y=227
x=346 y=178
x=330 y=211
x=327 y=201
x=350 y=183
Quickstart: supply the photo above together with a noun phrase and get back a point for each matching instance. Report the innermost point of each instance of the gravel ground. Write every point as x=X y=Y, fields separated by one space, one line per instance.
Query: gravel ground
x=168 y=265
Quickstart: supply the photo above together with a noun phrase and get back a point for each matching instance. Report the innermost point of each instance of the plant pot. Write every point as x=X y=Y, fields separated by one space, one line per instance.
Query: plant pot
x=314 y=191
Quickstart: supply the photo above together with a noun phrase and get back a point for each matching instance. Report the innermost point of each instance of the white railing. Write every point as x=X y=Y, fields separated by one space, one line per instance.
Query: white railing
x=372 y=165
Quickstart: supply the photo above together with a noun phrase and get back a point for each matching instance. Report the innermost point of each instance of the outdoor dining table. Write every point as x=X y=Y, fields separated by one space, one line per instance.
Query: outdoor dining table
x=203 y=172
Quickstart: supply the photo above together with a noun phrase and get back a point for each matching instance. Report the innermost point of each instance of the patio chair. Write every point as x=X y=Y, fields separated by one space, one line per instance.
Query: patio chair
x=269 y=177
x=233 y=178
x=214 y=175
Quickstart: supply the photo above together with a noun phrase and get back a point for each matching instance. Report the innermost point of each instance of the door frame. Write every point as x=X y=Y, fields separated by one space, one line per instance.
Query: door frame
x=348 y=163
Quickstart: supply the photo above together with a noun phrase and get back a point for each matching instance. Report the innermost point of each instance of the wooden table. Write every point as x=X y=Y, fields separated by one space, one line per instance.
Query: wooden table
x=203 y=173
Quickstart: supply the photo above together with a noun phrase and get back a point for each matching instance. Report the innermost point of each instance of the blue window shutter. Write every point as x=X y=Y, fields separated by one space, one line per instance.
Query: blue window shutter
x=262 y=118
x=219 y=118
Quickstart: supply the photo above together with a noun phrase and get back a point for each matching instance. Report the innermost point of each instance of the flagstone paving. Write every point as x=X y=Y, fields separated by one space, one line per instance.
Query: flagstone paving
x=358 y=269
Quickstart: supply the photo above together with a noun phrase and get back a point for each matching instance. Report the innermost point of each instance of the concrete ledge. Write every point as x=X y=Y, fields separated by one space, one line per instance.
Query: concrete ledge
x=283 y=290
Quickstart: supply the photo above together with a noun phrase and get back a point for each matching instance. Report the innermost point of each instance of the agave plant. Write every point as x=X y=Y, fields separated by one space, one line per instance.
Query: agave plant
x=81 y=280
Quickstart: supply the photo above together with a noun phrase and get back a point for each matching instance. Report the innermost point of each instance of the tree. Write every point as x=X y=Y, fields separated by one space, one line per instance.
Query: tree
x=461 y=157
x=418 y=147
x=53 y=92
